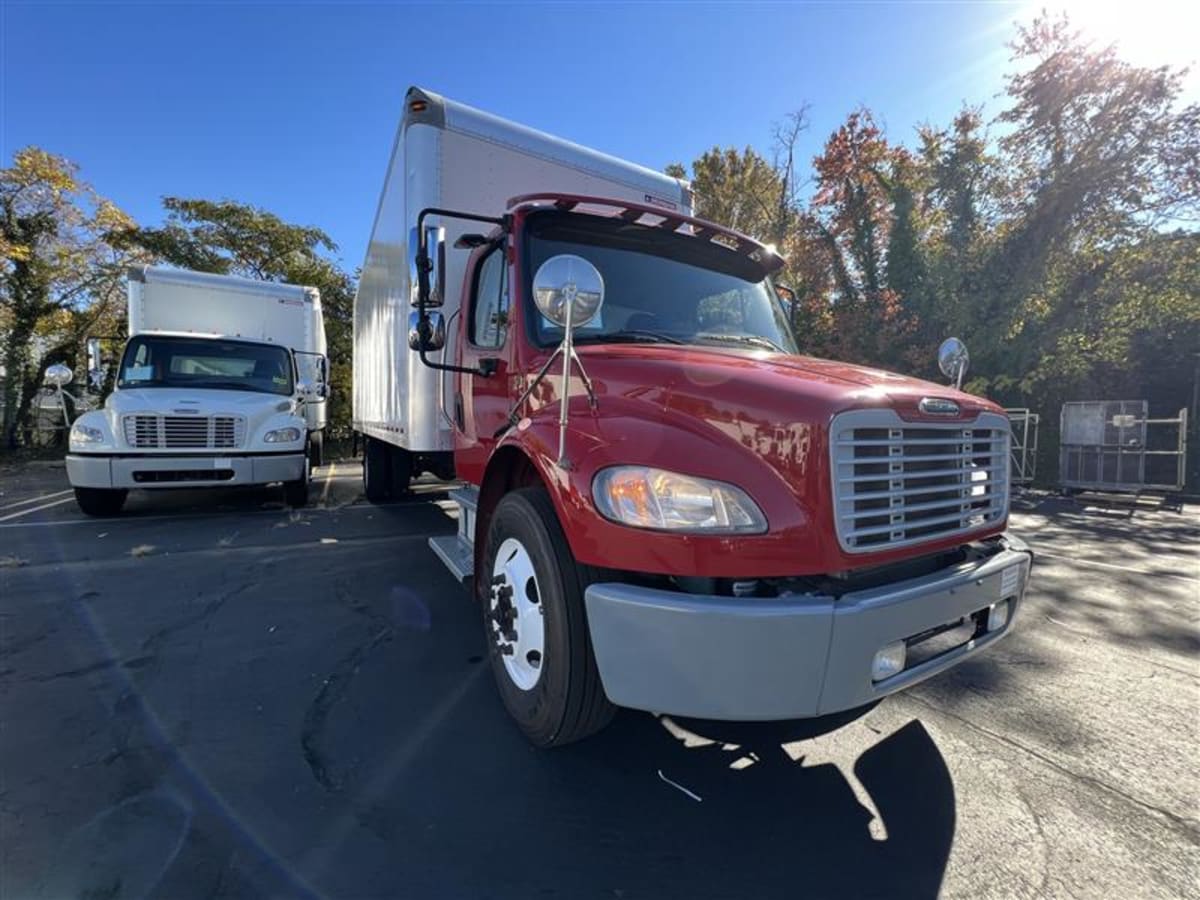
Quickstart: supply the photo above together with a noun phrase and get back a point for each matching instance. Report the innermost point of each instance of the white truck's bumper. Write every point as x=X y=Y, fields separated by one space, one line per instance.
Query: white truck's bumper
x=95 y=471
x=716 y=657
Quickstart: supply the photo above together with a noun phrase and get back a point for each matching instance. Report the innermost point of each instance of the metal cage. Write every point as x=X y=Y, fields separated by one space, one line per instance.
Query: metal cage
x=1114 y=445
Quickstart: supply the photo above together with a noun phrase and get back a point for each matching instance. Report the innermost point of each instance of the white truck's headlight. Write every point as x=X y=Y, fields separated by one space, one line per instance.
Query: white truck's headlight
x=86 y=434
x=282 y=436
x=653 y=498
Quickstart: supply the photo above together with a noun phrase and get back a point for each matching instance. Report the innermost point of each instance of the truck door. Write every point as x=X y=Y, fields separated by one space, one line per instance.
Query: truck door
x=480 y=405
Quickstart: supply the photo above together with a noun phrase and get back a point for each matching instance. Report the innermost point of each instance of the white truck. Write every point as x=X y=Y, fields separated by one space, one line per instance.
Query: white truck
x=222 y=382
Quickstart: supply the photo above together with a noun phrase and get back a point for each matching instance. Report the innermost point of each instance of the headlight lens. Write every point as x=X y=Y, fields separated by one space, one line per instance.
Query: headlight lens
x=282 y=436
x=85 y=434
x=653 y=498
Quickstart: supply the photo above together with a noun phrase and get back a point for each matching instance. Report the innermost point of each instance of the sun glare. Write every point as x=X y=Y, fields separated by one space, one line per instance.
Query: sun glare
x=1146 y=33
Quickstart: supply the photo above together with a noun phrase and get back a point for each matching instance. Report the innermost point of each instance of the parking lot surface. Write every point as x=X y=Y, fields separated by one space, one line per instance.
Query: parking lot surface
x=215 y=696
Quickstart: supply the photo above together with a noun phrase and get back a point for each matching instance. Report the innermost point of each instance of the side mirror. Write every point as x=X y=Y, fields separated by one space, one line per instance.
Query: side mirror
x=58 y=375
x=428 y=333
x=568 y=290
x=308 y=389
x=786 y=294
x=427 y=271
x=953 y=360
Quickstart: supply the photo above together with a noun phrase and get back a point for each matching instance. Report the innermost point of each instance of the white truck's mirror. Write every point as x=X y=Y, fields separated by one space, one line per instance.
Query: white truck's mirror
x=427 y=277
x=428 y=333
x=953 y=360
x=58 y=375
x=568 y=287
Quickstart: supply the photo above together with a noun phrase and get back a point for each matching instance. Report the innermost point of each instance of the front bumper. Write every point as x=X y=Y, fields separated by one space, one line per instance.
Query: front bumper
x=162 y=471
x=716 y=657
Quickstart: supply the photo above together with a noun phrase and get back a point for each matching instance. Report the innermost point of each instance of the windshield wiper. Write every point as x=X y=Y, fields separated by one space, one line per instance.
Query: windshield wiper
x=755 y=339
x=631 y=336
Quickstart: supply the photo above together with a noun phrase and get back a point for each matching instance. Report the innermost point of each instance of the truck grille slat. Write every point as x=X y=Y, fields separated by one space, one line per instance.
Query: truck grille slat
x=152 y=431
x=897 y=483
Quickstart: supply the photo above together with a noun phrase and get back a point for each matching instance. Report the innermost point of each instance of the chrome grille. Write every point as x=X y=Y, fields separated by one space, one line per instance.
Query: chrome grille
x=897 y=483
x=184 y=432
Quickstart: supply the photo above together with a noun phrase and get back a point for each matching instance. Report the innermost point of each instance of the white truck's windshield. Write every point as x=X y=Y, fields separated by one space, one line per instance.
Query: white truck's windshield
x=158 y=361
x=661 y=287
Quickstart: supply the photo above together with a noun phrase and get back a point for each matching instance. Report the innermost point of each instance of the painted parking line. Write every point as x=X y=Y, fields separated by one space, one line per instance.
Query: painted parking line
x=29 y=500
x=328 y=481
x=133 y=519
x=33 y=509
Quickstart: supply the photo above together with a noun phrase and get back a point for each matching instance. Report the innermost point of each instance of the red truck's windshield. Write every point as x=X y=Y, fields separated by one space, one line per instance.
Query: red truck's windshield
x=660 y=286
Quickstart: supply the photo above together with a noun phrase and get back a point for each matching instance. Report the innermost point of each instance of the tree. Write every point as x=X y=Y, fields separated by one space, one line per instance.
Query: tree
x=738 y=189
x=59 y=276
x=231 y=238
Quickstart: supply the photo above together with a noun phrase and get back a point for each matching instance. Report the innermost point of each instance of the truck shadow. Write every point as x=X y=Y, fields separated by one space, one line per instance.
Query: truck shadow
x=650 y=809
x=770 y=823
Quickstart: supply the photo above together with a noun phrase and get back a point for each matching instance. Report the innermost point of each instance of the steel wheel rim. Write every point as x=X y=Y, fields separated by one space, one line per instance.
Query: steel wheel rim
x=515 y=621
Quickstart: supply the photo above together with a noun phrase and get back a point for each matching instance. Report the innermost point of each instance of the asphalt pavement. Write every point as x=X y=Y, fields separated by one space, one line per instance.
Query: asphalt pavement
x=214 y=696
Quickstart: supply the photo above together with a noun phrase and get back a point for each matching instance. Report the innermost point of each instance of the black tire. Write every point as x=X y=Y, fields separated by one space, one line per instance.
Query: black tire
x=567 y=702
x=316 y=449
x=100 y=501
x=377 y=480
x=295 y=493
x=400 y=467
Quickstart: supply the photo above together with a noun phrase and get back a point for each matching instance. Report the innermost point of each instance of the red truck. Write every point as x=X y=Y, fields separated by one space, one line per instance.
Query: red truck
x=666 y=506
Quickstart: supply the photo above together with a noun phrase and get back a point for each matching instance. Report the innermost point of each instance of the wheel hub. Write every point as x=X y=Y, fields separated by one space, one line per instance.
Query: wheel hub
x=515 y=615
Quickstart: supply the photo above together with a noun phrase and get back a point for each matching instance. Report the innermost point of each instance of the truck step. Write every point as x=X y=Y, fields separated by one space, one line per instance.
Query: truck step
x=467 y=498
x=457 y=554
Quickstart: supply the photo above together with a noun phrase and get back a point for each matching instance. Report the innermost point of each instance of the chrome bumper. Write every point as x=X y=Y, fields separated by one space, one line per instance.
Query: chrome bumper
x=156 y=472
x=716 y=657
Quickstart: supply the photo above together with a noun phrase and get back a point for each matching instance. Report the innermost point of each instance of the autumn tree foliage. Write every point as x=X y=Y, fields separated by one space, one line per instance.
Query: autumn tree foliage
x=1063 y=251
x=60 y=277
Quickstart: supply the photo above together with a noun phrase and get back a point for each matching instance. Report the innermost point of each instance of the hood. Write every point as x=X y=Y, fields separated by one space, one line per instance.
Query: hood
x=186 y=401
x=756 y=419
x=776 y=387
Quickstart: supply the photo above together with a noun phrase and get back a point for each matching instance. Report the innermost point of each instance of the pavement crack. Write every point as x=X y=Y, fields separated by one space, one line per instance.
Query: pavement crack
x=1187 y=827
x=136 y=662
x=154 y=641
x=333 y=689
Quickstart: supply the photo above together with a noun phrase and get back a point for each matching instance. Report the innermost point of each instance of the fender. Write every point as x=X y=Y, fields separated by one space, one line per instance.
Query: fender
x=622 y=433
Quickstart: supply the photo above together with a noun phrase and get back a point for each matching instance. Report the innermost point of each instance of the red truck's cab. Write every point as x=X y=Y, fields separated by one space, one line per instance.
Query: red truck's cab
x=712 y=525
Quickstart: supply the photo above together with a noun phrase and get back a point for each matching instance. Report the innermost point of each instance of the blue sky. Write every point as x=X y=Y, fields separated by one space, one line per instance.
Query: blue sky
x=293 y=106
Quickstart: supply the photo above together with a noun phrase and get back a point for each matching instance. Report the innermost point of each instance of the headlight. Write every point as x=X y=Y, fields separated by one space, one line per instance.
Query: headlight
x=282 y=436
x=86 y=434
x=653 y=498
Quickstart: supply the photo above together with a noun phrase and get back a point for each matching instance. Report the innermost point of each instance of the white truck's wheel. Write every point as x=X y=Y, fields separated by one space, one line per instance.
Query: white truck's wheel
x=377 y=479
x=295 y=493
x=534 y=621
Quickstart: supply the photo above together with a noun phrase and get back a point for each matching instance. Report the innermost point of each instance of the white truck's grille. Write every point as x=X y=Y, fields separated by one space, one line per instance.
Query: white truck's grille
x=897 y=483
x=184 y=432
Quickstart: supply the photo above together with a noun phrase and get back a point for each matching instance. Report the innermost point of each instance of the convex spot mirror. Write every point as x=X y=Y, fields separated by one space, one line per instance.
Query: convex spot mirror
x=568 y=285
x=953 y=359
x=428 y=333
x=427 y=280
x=58 y=375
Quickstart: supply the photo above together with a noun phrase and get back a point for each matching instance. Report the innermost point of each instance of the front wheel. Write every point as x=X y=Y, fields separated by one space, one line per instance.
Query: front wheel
x=533 y=613
x=316 y=449
x=295 y=493
x=100 y=501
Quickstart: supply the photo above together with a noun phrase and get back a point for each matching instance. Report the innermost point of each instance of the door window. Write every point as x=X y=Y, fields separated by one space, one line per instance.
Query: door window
x=489 y=318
